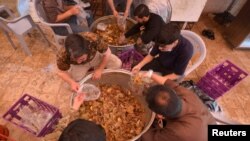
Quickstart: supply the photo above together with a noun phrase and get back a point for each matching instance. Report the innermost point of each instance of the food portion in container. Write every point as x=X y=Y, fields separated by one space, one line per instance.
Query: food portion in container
x=118 y=111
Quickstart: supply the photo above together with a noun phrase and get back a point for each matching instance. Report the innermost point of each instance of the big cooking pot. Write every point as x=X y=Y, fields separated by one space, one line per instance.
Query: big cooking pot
x=109 y=20
x=120 y=77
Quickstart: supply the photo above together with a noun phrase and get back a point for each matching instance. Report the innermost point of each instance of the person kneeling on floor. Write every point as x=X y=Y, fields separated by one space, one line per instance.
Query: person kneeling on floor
x=81 y=53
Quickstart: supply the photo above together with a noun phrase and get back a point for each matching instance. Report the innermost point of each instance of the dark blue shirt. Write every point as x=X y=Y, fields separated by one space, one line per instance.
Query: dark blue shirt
x=177 y=60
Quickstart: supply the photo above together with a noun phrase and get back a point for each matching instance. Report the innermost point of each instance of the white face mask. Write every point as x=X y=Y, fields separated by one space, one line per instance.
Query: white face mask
x=168 y=48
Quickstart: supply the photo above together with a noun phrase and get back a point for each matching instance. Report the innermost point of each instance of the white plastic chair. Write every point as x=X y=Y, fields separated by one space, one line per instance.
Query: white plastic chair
x=23 y=7
x=40 y=13
x=199 y=47
x=20 y=27
x=162 y=8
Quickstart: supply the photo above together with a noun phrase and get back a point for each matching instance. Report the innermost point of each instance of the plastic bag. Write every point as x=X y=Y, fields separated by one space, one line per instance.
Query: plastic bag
x=90 y=91
x=121 y=22
x=101 y=26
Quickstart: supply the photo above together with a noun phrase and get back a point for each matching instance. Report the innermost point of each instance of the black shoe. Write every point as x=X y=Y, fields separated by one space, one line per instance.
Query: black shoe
x=208 y=33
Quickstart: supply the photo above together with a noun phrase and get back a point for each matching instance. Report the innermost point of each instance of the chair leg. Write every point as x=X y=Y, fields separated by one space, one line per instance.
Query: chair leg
x=9 y=38
x=44 y=37
x=24 y=46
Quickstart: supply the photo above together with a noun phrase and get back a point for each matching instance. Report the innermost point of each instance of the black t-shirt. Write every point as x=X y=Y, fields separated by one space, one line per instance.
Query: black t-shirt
x=177 y=60
x=152 y=28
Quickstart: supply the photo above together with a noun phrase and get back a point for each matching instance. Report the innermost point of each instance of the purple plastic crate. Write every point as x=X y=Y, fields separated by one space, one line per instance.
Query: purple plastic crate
x=12 y=115
x=221 y=79
x=228 y=74
x=129 y=58
x=212 y=87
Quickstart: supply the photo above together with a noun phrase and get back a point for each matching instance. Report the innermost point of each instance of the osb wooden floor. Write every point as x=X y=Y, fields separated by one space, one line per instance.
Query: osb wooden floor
x=34 y=75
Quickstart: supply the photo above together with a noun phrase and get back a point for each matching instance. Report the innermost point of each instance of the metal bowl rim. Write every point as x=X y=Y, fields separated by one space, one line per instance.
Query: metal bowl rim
x=124 y=72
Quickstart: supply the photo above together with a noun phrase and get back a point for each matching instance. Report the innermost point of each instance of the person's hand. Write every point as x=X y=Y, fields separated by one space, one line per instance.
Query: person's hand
x=122 y=39
x=75 y=86
x=136 y=69
x=74 y=10
x=97 y=74
x=142 y=28
x=115 y=13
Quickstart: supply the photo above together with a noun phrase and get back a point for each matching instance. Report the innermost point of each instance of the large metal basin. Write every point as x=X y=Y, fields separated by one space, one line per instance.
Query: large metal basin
x=109 y=20
x=121 y=77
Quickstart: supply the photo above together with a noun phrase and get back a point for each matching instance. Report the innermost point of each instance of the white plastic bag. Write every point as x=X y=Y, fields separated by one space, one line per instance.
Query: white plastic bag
x=121 y=22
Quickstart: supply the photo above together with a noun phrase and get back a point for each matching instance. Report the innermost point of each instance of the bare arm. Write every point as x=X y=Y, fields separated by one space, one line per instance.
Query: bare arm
x=72 y=11
x=98 y=71
x=162 y=79
x=65 y=76
x=128 y=5
x=63 y=16
x=112 y=6
x=146 y=60
x=105 y=58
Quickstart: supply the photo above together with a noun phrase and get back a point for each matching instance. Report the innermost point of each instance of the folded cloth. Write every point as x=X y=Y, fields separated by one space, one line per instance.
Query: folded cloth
x=212 y=105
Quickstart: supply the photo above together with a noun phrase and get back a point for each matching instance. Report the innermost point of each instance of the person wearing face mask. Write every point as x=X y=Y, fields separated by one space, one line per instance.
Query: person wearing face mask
x=148 y=25
x=170 y=55
x=186 y=118
x=81 y=53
